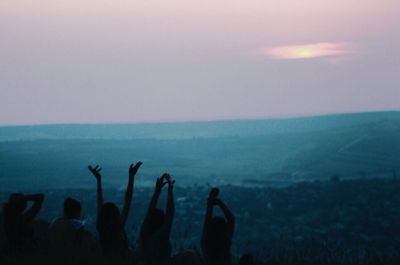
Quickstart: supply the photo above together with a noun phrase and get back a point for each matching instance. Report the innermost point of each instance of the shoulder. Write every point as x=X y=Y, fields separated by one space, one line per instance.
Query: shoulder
x=57 y=222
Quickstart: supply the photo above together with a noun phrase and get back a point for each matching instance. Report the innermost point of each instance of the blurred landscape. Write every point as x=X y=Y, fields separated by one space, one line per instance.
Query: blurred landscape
x=323 y=189
x=244 y=152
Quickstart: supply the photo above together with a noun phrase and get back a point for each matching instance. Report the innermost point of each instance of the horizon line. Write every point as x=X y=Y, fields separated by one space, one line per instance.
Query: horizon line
x=226 y=119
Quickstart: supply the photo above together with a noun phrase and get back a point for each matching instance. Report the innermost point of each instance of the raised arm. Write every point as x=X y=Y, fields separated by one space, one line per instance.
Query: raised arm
x=37 y=200
x=153 y=203
x=209 y=210
x=230 y=218
x=96 y=173
x=129 y=191
x=160 y=183
x=169 y=214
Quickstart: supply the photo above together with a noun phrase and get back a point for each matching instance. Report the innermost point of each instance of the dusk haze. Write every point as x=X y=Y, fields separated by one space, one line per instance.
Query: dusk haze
x=119 y=61
x=199 y=132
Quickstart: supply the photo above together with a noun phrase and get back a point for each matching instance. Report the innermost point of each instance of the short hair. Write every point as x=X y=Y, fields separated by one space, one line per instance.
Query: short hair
x=72 y=208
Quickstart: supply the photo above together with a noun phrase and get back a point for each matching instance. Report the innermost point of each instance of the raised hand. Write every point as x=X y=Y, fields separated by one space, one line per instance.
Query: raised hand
x=170 y=210
x=213 y=197
x=213 y=201
x=37 y=200
x=213 y=193
x=95 y=171
x=170 y=182
x=161 y=181
x=133 y=169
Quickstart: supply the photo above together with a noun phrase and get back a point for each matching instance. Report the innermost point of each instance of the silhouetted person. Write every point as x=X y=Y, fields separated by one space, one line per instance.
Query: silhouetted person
x=3 y=239
x=156 y=229
x=217 y=232
x=72 y=209
x=70 y=224
x=18 y=220
x=110 y=221
x=68 y=238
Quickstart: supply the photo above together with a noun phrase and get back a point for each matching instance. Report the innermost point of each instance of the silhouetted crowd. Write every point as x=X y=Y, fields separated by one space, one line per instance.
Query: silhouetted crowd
x=67 y=241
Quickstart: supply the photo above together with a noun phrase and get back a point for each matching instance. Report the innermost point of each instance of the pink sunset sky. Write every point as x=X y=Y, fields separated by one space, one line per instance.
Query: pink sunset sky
x=98 y=61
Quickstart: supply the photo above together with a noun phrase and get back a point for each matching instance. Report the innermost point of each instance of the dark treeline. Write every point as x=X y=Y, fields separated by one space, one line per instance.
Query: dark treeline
x=333 y=222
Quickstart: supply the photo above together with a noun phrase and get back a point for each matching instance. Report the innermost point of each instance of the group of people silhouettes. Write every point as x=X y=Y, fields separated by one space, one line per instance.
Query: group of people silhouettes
x=69 y=242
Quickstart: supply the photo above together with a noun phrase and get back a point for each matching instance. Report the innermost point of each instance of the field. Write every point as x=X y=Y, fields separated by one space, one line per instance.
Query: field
x=251 y=152
x=326 y=187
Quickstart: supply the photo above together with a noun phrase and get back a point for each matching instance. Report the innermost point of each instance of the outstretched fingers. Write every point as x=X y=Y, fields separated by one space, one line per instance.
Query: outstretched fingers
x=136 y=166
x=133 y=169
x=170 y=181
x=214 y=192
x=95 y=170
x=162 y=181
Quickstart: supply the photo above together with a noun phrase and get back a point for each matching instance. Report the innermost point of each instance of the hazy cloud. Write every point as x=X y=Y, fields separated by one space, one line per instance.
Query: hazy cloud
x=309 y=51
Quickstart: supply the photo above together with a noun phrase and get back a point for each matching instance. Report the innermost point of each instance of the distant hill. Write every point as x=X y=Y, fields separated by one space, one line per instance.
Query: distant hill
x=257 y=152
x=208 y=129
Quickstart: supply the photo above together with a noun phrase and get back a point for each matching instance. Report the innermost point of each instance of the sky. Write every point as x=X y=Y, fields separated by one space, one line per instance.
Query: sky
x=118 y=61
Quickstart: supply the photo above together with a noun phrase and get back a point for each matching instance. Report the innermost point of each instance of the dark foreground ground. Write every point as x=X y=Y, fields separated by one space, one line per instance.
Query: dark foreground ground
x=331 y=222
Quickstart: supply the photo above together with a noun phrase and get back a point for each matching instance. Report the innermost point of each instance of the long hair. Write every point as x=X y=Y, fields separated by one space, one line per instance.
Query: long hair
x=218 y=240
x=155 y=221
x=109 y=226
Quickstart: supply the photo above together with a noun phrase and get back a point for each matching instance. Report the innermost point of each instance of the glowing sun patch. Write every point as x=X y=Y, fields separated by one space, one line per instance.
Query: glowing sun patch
x=309 y=51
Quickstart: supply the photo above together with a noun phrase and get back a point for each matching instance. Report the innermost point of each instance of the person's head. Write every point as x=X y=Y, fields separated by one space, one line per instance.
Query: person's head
x=155 y=220
x=218 y=239
x=16 y=204
x=109 y=223
x=72 y=209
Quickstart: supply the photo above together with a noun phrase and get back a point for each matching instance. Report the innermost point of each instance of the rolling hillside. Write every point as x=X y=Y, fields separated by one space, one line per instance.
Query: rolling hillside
x=251 y=152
